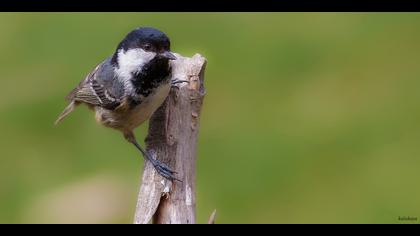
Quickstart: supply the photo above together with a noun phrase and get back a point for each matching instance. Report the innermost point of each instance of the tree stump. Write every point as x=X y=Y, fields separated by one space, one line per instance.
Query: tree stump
x=172 y=139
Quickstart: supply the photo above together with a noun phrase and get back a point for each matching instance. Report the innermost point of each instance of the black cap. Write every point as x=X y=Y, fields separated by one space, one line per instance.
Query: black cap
x=147 y=38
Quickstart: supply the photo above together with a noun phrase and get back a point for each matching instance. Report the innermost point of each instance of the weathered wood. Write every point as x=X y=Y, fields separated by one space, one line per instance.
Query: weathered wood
x=212 y=218
x=172 y=138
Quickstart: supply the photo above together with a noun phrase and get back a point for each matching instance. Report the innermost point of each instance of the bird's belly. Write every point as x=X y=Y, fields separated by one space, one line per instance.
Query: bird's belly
x=130 y=118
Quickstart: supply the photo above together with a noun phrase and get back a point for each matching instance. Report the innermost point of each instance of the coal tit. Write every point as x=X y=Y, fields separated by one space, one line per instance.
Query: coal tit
x=126 y=88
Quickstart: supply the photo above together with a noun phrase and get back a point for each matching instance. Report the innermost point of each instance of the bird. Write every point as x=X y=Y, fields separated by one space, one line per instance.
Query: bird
x=126 y=88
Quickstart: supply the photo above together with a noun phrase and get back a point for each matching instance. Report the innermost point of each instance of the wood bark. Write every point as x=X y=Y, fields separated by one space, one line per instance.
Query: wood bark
x=172 y=139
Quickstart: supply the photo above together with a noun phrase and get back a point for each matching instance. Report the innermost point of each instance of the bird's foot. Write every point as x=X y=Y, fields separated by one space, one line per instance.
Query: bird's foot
x=161 y=168
x=164 y=170
x=178 y=81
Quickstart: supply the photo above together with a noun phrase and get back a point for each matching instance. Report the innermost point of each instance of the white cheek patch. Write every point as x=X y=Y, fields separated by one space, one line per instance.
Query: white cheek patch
x=130 y=62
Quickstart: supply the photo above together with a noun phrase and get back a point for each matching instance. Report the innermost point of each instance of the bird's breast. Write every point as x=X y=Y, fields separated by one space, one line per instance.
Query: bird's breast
x=149 y=104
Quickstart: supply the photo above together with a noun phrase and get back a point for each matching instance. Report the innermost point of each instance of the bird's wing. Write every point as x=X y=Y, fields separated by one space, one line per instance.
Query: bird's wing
x=96 y=90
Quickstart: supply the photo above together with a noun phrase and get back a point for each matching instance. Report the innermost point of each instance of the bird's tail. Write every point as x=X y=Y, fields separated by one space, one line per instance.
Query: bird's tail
x=66 y=111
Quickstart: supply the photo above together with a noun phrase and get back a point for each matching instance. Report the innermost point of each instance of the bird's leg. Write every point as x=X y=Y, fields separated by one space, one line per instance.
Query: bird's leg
x=160 y=167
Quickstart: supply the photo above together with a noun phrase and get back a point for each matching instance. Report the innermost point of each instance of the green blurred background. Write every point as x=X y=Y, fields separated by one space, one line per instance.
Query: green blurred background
x=308 y=117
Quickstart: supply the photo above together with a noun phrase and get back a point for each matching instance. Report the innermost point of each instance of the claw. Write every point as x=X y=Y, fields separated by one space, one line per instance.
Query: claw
x=164 y=170
x=163 y=166
x=178 y=81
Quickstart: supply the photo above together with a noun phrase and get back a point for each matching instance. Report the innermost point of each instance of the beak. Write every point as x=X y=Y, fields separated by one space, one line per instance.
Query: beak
x=168 y=55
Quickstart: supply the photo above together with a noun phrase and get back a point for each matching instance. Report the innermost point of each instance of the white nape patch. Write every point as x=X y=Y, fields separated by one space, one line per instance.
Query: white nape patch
x=130 y=62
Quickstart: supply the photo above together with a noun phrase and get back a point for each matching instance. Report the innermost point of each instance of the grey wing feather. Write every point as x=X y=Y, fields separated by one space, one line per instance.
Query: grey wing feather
x=98 y=88
x=72 y=95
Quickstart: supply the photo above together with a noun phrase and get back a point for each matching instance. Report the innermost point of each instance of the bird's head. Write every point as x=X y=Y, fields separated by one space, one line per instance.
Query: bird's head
x=140 y=46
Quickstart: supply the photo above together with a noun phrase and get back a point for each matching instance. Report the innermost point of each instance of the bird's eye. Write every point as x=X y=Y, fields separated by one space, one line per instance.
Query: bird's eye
x=147 y=47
